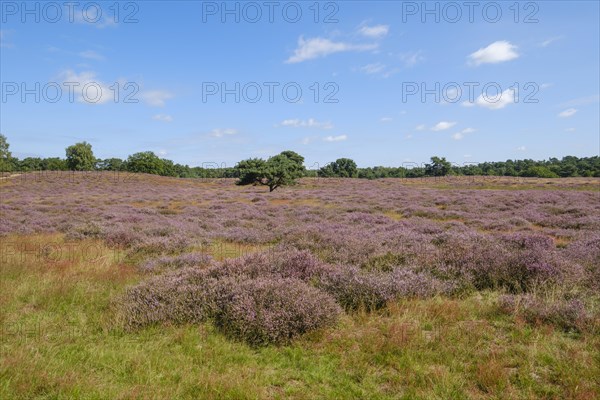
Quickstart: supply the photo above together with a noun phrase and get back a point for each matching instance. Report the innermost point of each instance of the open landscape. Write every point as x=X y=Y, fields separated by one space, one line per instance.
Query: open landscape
x=323 y=199
x=140 y=286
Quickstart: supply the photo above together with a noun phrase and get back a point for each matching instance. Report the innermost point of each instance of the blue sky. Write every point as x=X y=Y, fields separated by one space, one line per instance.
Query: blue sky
x=372 y=55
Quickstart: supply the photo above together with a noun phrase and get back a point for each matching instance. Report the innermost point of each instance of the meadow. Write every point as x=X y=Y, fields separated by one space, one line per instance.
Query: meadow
x=134 y=286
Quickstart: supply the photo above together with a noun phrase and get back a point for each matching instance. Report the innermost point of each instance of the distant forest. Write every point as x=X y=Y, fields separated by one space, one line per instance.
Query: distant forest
x=80 y=157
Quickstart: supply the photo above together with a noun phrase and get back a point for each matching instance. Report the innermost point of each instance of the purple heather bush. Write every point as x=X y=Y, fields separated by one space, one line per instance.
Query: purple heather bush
x=266 y=311
x=394 y=238
x=176 y=262
x=355 y=288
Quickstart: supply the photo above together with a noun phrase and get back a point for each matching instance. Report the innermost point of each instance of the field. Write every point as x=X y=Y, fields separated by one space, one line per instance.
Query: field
x=132 y=286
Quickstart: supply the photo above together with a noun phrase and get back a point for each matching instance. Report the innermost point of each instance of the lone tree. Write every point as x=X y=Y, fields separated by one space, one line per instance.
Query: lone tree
x=80 y=157
x=280 y=170
x=438 y=167
x=342 y=168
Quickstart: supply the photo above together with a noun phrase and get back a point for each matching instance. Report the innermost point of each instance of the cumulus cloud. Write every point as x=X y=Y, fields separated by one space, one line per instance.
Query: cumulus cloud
x=493 y=102
x=442 y=126
x=460 y=135
x=420 y=127
x=338 y=138
x=569 y=112
x=162 y=117
x=496 y=52
x=87 y=87
x=309 y=49
x=521 y=148
x=374 y=32
x=309 y=123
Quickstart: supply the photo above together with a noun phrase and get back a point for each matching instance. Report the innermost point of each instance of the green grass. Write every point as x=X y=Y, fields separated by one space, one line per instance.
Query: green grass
x=58 y=343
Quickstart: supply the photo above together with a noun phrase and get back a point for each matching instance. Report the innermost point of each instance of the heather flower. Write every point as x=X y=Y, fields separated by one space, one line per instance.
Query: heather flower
x=266 y=311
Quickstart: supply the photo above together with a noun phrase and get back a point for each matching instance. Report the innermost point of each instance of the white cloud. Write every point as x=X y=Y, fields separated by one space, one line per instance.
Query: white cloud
x=420 y=127
x=521 y=148
x=496 y=52
x=546 y=85
x=87 y=88
x=493 y=102
x=379 y=68
x=386 y=119
x=162 y=152
x=569 y=112
x=412 y=59
x=374 y=32
x=570 y=130
x=309 y=49
x=92 y=55
x=372 y=68
x=155 y=98
x=310 y=123
x=442 y=126
x=163 y=118
x=547 y=42
x=218 y=133
x=339 y=138
x=460 y=135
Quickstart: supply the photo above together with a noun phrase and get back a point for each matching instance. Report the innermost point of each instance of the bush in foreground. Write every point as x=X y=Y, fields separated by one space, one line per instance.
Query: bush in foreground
x=265 y=311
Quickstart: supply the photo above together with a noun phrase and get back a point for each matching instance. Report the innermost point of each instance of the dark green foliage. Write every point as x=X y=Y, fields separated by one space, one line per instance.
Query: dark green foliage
x=438 y=167
x=341 y=168
x=280 y=170
x=5 y=155
x=80 y=157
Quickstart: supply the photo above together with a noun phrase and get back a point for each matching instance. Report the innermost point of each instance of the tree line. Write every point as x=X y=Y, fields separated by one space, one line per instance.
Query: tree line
x=284 y=168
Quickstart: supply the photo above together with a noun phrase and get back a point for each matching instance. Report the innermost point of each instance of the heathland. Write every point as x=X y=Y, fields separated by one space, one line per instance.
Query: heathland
x=118 y=285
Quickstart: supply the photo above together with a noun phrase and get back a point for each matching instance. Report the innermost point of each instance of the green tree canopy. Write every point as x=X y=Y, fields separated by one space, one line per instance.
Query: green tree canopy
x=438 y=167
x=280 y=170
x=80 y=157
x=342 y=168
x=5 y=155
x=145 y=162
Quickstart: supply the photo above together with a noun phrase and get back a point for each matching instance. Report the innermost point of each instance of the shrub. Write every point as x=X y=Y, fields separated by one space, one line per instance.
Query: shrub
x=176 y=262
x=354 y=288
x=187 y=296
x=268 y=311
x=569 y=315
